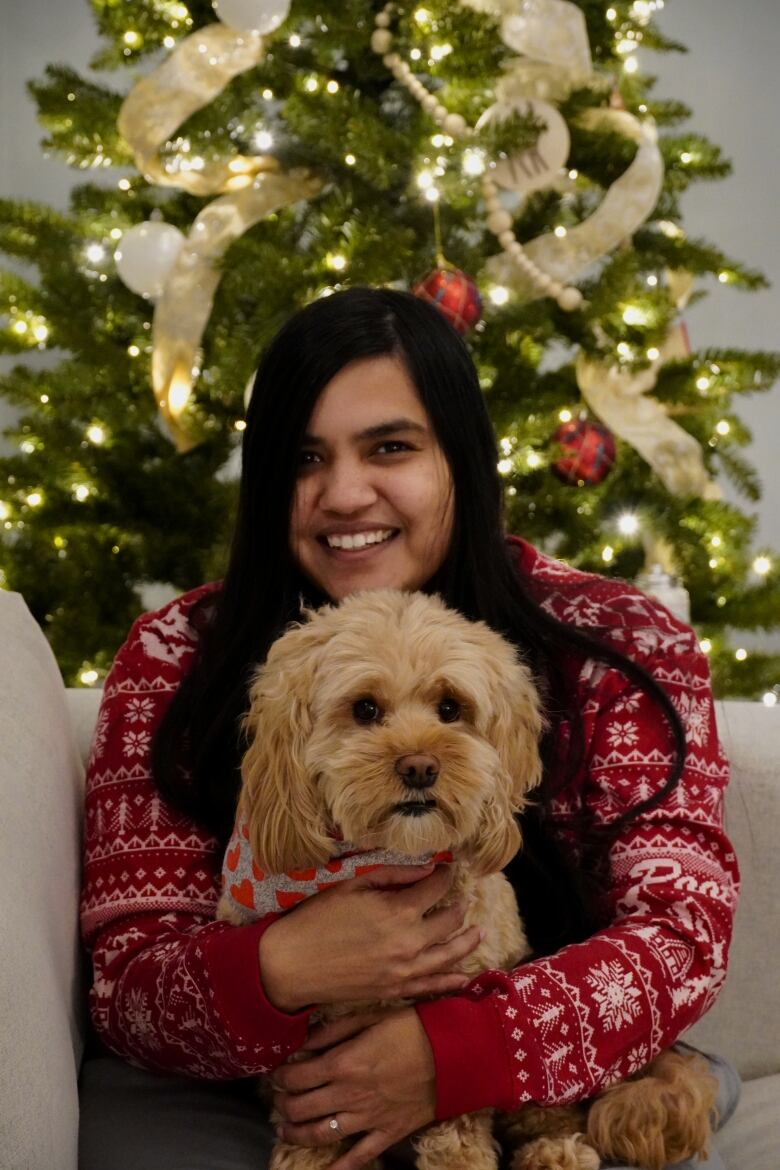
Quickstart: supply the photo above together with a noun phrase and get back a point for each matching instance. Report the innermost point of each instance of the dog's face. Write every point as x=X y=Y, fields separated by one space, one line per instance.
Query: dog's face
x=396 y=724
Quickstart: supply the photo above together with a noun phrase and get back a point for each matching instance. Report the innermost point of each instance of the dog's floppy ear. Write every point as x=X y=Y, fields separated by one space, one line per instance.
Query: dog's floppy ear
x=514 y=727
x=279 y=798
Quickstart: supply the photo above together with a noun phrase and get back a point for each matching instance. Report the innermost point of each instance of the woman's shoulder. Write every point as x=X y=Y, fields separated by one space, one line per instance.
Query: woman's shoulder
x=608 y=607
x=169 y=635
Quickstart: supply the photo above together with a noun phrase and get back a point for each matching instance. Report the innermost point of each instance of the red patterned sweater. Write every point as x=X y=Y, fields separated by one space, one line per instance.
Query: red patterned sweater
x=175 y=991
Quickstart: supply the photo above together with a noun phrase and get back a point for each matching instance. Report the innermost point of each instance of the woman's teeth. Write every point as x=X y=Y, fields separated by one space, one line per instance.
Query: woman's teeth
x=359 y=539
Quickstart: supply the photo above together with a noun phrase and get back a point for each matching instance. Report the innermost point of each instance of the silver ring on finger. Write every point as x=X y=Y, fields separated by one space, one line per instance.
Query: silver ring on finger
x=335 y=1128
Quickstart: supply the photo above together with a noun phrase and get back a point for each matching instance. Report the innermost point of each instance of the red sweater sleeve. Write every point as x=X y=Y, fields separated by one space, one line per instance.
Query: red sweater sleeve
x=173 y=990
x=559 y=1029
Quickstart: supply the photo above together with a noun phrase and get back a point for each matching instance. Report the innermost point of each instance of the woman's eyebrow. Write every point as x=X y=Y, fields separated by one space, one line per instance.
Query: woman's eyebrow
x=380 y=431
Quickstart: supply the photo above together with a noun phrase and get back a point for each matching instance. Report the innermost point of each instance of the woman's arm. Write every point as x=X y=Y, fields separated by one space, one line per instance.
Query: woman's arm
x=172 y=989
x=561 y=1028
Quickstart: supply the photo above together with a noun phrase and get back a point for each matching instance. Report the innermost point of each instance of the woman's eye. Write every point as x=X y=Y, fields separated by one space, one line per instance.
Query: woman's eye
x=392 y=447
x=366 y=711
x=307 y=458
x=449 y=710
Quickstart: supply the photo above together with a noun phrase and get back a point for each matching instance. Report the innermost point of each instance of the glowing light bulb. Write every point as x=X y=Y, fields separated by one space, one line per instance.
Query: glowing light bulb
x=611 y=14
x=425 y=180
x=35 y=499
x=703 y=383
x=716 y=541
x=628 y=523
x=633 y=315
x=20 y=327
x=311 y=85
x=5 y=511
x=534 y=459
x=653 y=353
x=332 y=86
x=336 y=261
x=262 y=140
x=133 y=350
x=295 y=41
x=686 y=157
x=80 y=491
x=762 y=565
x=439 y=52
x=565 y=415
x=723 y=427
x=560 y=231
x=432 y=194
x=499 y=295
x=607 y=553
x=769 y=699
x=95 y=253
x=96 y=434
x=652 y=280
x=124 y=184
x=505 y=466
x=474 y=162
x=132 y=38
x=350 y=160
x=630 y=65
x=422 y=16
x=88 y=677
x=723 y=277
x=741 y=654
x=705 y=645
x=625 y=350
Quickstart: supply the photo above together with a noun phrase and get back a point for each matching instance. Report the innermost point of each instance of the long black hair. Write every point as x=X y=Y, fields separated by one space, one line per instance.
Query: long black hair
x=197 y=748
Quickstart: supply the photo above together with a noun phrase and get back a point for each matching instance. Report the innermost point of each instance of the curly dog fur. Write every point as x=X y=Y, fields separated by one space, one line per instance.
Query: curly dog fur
x=312 y=770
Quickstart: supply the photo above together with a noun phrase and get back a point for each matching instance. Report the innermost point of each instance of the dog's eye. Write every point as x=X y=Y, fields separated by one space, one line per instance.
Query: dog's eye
x=449 y=710
x=366 y=711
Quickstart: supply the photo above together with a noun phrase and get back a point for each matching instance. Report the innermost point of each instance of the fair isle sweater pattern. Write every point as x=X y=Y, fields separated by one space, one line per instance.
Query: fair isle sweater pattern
x=176 y=991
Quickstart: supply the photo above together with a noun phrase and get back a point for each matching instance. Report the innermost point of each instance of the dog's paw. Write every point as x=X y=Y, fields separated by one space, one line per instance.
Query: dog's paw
x=658 y=1119
x=557 y=1153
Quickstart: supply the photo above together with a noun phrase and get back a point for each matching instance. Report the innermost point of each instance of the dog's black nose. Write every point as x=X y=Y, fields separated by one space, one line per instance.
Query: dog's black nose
x=418 y=771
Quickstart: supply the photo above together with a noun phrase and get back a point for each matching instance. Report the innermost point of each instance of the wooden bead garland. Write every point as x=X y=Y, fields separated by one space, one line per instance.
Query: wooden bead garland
x=499 y=220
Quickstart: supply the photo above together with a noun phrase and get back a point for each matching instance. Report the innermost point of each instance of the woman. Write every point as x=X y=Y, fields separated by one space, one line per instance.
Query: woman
x=369 y=461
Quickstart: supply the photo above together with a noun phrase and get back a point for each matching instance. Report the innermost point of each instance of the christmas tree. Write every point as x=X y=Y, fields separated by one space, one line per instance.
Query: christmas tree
x=506 y=158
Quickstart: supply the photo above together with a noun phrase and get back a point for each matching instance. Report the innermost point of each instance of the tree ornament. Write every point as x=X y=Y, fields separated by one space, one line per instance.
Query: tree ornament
x=454 y=293
x=260 y=16
x=539 y=166
x=146 y=255
x=590 y=451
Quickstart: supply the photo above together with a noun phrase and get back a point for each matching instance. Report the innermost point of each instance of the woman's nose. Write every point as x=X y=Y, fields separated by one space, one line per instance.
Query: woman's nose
x=347 y=488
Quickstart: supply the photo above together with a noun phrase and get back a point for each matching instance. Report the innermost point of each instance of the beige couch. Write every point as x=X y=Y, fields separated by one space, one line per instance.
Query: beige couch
x=45 y=732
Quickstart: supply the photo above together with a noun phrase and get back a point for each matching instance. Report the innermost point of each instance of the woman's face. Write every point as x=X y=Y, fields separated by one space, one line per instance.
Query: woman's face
x=373 y=505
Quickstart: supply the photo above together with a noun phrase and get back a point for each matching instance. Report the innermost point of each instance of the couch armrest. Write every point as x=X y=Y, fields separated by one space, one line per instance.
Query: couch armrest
x=744 y=1024
x=41 y=992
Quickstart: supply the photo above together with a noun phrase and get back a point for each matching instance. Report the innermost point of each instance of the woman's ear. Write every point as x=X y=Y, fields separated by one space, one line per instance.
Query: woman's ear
x=279 y=799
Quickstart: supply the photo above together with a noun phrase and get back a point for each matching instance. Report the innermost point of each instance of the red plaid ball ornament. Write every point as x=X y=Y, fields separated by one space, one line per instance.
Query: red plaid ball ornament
x=454 y=293
x=590 y=451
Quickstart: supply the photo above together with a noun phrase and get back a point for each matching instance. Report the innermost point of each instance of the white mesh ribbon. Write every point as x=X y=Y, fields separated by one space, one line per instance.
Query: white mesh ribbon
x=183 y=311
x=194 y=74
x=621 y=399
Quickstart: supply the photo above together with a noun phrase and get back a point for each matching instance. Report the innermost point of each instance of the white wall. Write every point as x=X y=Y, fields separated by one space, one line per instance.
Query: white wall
x=729 y=78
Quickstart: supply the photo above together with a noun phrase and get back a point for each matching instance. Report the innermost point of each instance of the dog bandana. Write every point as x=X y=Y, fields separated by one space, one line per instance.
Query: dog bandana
x=253 y=893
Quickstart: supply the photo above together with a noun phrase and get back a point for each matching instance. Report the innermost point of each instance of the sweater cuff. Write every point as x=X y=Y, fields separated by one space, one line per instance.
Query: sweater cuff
x=473 y=1069
x=251 y=1019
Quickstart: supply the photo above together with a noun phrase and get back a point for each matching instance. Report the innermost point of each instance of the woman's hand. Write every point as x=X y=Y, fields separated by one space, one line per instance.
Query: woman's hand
x=370 y=938
x=375 y=1076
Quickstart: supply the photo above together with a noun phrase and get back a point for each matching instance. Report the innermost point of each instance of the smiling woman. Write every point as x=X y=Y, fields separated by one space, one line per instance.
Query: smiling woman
x=373 y=504
x=369 y=462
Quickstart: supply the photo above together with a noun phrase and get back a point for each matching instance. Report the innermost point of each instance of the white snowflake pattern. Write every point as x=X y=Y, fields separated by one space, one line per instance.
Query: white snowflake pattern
x=135 y=743
x=615 y=993
x=637 y=1059
x=139 y=710
x=695 y=715
x=630 y=702
x=139 y=1018
x=623 y=734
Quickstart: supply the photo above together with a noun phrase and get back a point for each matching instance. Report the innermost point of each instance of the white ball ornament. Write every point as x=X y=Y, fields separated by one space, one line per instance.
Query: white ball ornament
x=146 y=255
x=570 y=299
x=455 y=125
x=381 y=41
x=260 y=16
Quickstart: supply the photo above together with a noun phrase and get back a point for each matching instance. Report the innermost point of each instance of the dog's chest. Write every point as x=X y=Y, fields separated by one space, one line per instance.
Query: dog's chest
x=491 y=905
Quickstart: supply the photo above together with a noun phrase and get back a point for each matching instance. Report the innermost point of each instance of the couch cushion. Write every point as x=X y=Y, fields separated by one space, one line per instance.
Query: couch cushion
x=41 y=997
x=744 y=1024
x=750 y=1140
